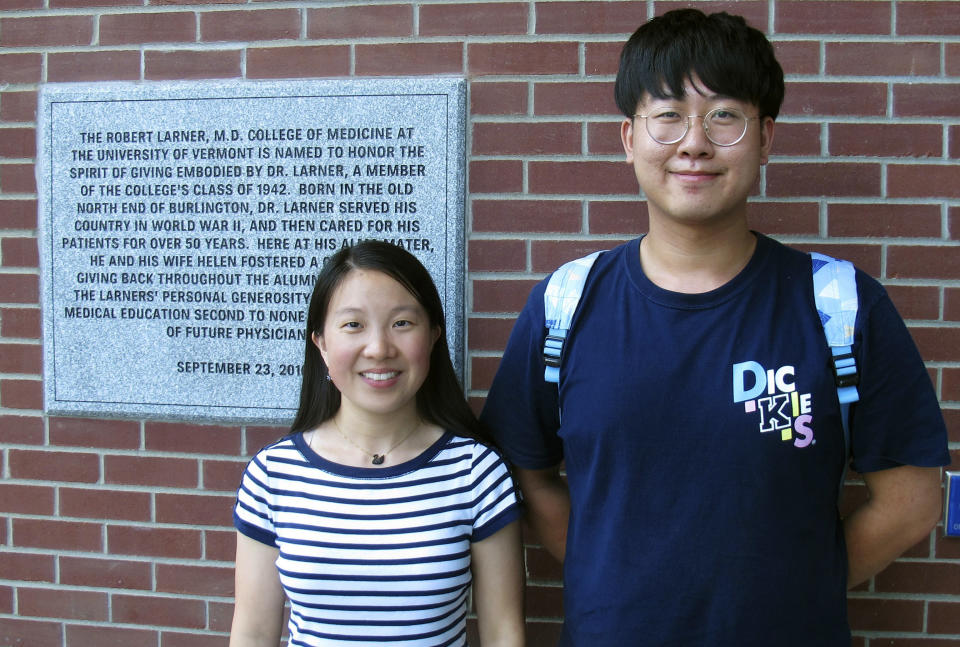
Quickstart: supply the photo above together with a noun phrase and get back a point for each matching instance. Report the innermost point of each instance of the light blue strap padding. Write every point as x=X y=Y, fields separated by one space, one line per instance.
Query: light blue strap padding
x=835 y=292
x=560 y=301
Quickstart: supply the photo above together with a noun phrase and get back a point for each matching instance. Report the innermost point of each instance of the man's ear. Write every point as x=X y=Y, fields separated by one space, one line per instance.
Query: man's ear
x=626 y=138
x=766 y=139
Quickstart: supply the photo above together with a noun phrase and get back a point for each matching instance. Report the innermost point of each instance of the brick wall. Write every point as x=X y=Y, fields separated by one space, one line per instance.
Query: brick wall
x=117 y=532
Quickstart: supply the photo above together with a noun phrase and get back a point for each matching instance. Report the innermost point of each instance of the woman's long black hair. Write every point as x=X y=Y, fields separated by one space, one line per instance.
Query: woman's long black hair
x=440 y=400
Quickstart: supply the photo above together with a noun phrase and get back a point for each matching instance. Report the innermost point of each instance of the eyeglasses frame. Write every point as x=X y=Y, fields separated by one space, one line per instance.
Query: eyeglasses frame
x=703 y=124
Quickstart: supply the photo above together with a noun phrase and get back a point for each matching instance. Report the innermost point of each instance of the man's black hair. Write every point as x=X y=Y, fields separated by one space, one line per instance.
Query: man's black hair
x=727 y=56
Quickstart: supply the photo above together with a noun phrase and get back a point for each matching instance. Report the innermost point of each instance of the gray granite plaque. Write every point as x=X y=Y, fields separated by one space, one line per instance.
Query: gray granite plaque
x=182 y=226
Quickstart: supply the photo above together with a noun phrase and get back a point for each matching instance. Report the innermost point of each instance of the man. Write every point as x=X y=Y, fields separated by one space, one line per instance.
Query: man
x=683 y=521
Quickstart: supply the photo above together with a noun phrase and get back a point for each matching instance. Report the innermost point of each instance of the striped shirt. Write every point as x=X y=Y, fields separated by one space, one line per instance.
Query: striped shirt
x=375 y=556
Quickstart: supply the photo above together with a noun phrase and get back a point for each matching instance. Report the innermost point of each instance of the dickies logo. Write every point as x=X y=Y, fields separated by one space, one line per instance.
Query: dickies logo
x=772 y=394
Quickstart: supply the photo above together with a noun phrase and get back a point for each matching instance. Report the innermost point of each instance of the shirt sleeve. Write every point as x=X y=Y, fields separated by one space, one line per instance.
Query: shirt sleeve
x=522 y=409
x=494 y=494
x=253 y=513
x=898 y=419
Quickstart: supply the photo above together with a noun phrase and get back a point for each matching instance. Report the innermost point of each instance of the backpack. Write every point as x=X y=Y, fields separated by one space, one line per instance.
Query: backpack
x=834 y=291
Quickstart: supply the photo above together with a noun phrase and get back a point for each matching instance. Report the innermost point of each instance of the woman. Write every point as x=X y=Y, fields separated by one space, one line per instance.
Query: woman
x=372 y=515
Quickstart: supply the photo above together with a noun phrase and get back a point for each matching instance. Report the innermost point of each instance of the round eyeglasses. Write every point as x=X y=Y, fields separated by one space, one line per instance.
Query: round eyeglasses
x=723 y=126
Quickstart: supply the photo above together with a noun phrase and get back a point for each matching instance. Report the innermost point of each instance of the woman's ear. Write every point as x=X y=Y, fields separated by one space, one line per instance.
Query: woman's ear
x=321 y=345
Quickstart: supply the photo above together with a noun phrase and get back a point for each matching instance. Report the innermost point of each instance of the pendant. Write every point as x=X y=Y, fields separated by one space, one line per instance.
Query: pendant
x=378 y=459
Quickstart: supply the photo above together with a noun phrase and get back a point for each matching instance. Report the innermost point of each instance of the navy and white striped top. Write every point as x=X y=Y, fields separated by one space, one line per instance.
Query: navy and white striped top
x=374 y=556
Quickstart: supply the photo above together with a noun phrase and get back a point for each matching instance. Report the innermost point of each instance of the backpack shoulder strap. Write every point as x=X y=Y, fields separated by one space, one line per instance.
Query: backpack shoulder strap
x=835 y=293
x=560 y=300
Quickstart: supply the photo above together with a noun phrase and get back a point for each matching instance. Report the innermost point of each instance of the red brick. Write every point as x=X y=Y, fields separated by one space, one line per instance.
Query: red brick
x=150 y=471
x=176 y=639
x=590 y=98
x=6 y=600
x=796 y=139
x=109 y=636
x=18 y=106
x=137 y=28
x=951 y=304
x=19 y=252
x=105 y=573
x=17 y=632
x=360 y=21
x=916 y=301
x=883 y=59
x=18 y=142
x=52 y=603
x=549 y=255
x=26 y=499
x=27 y=567
x=18 y=178
x=925 y=99
x=57 y=535
x=221 y=616
x=188 y=438
x=823 y=179
x=196 y=64
x=94 y=66
x=544 y=601
x=409 y=58
x=923 y=181
x=555 y=138
x=95 y=432
x=482 y=370
x=589 y=178
x=92 y=3
x=21 y=394
x=220 y=545
x=21 y=68
x=618 y=217
x=195 y=580
x=18 y=214
x=927 y=18
x=954 y=136
x=589 y=17
x=258 y=437
x=816 y=17
x=287 y=62
x=474 y=19
x=544 y=632
x=541 y=565
x=953 y=59
x=501 y=296
x=838 y=98
x=878 y=614
x=943 y=618
x=798 y=57
x=486 y=333
x=602 y=59
x=196 y=510
x=497 y=255
x=523 y=58
x=158 y=542
x=526 y=216
x=21 y=430
x=937 y=344
x=50 y=465
x=950 y=386
x=46 y=31
x=491 y=176
x=105 y=504
x=250 y=25
x=603 y=138
x=884 y=220
x=157 y=610
x=21 y=358
x=916 y=262
x=786 y=218
x=493 y=98
x=10 y=5
x=919 y=577
x=886 y=140
x=222 y=475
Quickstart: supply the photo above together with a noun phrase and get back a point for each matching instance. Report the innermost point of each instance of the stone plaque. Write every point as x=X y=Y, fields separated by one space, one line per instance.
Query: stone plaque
x=182 y=226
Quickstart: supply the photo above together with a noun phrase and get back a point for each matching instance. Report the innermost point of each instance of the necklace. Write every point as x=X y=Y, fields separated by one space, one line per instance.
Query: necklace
x=377 y=459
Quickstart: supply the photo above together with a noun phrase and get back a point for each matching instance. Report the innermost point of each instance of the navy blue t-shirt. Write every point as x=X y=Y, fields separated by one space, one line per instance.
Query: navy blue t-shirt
x=703 y=448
